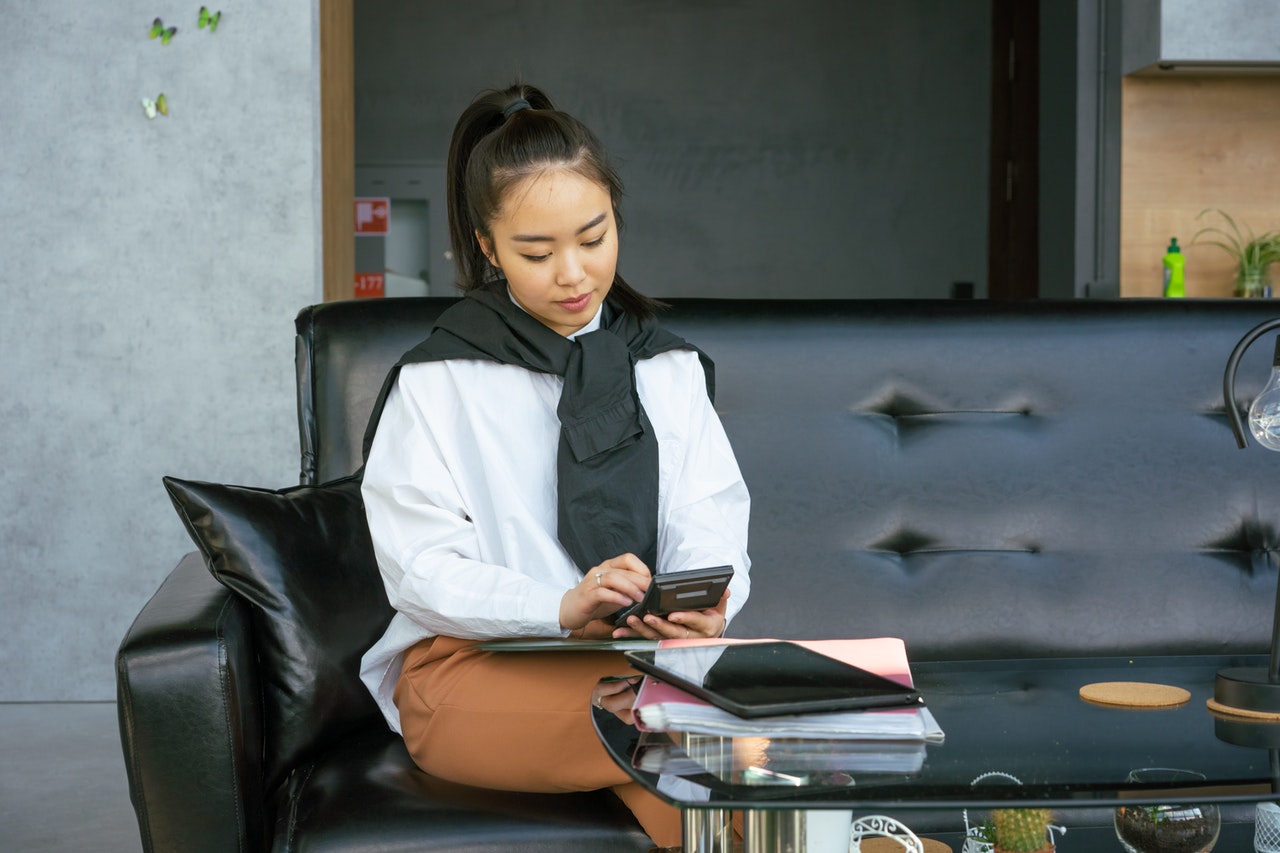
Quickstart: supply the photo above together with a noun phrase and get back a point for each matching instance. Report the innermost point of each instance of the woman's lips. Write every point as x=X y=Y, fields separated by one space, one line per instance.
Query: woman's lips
x=575 y=304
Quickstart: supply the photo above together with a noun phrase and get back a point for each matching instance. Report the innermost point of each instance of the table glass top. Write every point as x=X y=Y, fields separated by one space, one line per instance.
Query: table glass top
x=1016 y=733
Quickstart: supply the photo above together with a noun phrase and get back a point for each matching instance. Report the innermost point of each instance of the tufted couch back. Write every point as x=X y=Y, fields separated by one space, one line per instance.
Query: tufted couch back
x=983 y=479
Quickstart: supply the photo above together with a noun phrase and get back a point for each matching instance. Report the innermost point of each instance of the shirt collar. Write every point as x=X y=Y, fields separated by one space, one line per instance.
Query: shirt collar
x=592 y=324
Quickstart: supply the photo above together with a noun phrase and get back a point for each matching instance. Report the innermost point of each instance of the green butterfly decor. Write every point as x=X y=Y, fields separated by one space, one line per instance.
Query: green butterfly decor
x=208 y=19
x=159 y=31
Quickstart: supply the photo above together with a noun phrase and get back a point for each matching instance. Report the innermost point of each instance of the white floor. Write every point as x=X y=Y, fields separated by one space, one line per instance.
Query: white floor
x=62 y=780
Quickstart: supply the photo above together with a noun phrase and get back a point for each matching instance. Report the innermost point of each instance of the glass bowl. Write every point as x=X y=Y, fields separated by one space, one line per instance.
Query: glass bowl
x=1168 y=828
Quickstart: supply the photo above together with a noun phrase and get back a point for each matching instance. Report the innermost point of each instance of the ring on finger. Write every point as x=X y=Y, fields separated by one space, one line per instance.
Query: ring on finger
x=599 y=578
x=598 y=703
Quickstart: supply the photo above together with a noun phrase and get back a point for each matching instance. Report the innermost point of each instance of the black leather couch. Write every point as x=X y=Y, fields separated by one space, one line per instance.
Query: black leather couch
x=983 y=479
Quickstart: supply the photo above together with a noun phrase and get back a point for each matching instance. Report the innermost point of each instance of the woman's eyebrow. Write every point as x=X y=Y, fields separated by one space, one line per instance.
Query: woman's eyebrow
x=537 y=238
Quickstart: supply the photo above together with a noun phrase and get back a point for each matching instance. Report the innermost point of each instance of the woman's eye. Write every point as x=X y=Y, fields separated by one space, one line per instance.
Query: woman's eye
x=537 y=259
x=596 y=242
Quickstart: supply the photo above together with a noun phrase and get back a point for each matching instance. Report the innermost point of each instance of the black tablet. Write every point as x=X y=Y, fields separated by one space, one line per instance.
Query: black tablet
x=772 y=678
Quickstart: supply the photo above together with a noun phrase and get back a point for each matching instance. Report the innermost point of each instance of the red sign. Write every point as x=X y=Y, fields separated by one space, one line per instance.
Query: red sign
x=372 y=215
x=370 y=285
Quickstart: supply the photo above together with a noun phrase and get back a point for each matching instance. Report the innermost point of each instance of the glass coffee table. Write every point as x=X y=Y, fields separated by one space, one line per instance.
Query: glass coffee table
x=1018 y=734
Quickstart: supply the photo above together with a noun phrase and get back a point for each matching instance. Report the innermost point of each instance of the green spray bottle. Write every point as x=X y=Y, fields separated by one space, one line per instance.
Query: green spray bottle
x=1174 y=283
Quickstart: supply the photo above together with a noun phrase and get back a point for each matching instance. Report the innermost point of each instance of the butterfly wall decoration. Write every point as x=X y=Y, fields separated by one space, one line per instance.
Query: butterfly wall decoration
x=160 y=31
x=208 y=19
x=160 y=105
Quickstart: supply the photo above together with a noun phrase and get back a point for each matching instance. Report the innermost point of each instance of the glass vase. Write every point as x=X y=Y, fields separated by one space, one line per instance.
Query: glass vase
x=1253 y=283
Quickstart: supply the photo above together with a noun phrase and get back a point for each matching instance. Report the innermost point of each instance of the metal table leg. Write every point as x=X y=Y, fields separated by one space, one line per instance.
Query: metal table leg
x=707 y=831
x=774 y=831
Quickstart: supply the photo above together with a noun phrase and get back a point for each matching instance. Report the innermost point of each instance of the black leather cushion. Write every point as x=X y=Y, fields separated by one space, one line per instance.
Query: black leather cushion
x=365 y=794
x=303 y=558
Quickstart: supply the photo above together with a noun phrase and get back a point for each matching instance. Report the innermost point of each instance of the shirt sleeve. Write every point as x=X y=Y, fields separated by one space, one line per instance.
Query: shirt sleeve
x=708 y=506
x=427 y=546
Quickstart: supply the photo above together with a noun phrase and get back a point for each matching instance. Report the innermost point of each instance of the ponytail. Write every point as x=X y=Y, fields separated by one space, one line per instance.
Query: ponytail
x=503 y=137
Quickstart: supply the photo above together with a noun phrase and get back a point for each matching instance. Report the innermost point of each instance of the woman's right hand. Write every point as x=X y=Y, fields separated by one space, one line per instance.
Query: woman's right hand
x=616 y=583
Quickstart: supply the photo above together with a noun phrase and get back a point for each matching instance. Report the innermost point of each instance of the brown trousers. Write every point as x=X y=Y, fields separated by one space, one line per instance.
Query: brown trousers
x=517 y=721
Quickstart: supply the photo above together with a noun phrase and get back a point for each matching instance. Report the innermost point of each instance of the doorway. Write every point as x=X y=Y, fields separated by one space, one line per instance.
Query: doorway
x=413 y=256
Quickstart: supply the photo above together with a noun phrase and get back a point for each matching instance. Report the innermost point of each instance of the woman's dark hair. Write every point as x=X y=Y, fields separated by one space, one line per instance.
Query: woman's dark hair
x=497 y=143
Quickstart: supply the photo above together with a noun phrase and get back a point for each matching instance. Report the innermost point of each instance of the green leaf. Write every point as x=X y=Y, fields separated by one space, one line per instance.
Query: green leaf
x=1250 y=251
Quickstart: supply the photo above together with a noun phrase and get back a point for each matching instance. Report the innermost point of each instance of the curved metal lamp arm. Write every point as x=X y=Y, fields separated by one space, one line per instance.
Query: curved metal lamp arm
x=1229 y=378
x=1249 y=687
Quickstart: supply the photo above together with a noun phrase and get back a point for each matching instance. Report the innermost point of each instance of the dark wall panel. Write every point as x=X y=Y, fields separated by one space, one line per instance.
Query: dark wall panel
x=809 y=148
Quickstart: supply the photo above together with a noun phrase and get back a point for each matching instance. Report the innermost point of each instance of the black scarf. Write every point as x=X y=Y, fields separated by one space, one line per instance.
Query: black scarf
x=607 y=461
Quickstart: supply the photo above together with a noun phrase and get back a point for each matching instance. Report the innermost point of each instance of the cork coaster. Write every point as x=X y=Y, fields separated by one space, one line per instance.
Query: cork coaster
x=1215 y=705
x=890 y=845
x=1134 y=694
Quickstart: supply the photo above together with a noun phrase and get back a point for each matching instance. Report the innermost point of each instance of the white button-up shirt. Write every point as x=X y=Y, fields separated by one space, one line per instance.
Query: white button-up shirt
x=460 y=493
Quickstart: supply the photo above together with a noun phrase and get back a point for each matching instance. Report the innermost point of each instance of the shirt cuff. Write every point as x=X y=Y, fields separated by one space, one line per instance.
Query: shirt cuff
x=543 y=610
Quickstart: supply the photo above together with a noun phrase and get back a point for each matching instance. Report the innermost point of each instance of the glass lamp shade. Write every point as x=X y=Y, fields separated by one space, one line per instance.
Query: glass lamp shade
x=1264 y=412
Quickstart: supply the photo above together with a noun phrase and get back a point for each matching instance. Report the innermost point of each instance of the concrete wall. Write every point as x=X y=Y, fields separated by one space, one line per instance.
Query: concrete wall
x=151 y=272
x=809 y=148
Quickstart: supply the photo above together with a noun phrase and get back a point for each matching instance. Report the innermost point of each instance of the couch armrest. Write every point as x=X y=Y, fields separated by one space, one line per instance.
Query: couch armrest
x=190 y=712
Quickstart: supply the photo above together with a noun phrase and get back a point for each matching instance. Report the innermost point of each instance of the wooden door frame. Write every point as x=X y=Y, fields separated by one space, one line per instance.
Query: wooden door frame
x=337 y=148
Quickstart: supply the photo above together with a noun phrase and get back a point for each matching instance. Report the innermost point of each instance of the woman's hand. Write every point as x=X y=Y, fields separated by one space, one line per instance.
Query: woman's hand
x=610 y=586
x=680 y=625
x=617 y=696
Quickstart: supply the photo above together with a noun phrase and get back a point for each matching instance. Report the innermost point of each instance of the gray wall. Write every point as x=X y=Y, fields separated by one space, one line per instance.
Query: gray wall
x=151 y=273
x=810 y=148
x=1057 y=144
x=1191 y=33
x=1097 y=107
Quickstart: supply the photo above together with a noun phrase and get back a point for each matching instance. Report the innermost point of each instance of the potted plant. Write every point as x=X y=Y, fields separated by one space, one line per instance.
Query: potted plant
x=1253 y=253
x=1019 y=831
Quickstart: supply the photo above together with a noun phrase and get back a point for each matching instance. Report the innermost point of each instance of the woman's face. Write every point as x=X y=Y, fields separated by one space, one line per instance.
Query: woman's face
x=556 y=243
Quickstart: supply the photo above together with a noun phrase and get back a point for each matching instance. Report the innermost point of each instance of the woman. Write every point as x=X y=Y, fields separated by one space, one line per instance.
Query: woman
x=536 y=459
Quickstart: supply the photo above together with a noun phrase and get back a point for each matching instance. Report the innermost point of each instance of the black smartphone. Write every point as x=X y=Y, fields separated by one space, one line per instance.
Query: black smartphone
x=696 y=589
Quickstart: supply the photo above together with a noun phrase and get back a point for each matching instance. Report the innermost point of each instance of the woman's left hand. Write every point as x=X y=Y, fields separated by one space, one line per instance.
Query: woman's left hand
x=680 y=625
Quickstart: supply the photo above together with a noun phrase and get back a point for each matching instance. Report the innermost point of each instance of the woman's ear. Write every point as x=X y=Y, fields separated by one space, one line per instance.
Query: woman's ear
x=486 y=246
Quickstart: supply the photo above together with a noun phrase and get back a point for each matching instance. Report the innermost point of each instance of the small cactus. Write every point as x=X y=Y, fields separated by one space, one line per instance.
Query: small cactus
x=1021 y=830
